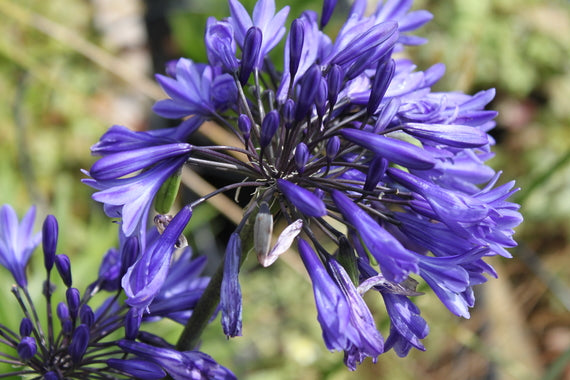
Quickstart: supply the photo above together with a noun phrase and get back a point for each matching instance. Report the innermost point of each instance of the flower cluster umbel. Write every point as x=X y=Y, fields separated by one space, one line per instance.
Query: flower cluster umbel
x=381 y=181
x=74 y=340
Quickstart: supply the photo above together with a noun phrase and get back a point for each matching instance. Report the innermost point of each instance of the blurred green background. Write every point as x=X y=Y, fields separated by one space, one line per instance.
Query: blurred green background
x=69 y=69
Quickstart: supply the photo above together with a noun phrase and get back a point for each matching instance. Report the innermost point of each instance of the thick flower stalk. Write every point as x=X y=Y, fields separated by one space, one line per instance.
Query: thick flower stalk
x=382 y=181
x=76 y=341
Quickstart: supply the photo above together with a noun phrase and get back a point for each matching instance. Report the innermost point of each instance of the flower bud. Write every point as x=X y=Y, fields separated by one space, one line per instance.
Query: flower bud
x=79 y=343
x=230 y=297
x=376 y=171
x=27 y=348
x=382 y=79
x=288 y=112
x=296 y=39
x=335 y=78
x=63 y=314
x=301 y=157
x=62 y=311
x=328 y=8
x=262 y=230
x=333 y=146
x=49 y=240
x=309 y=87
x=26 y=327
x=304 y=200
x=133 y=321
x=250 y=51
x=86 y=315
x=244 y=125
x=63 y=266
x=398 y=151
x=269 y=126
x=321 y=97
x=109 y=271
x=73 y=301
x=138 y=368
x=387 y=114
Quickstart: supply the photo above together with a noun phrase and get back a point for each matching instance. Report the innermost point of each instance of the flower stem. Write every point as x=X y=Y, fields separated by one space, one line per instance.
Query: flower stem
x=202 y=313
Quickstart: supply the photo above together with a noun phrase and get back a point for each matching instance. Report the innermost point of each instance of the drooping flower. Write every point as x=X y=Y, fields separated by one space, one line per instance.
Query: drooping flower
x=345 y=319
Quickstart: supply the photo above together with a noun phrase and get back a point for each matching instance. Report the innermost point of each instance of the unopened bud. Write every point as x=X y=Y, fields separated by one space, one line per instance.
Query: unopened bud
x=262 y=231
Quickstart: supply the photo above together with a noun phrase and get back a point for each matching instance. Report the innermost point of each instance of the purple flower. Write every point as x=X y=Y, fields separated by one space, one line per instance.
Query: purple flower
x=89 y=338
x=451 y=208
x=79 y=343
x=406 y=325
x=196 y=89
x=344 y=317
x=400 y=152
x=300 y=53
x=50 y=232
x=179 y=365
x=395 y=260
x=264 y=17
x=63 y=265
x=328 y=7
x=130 y=197
x=17 y=242
x=145 y=277
x=251 y=48
x=305 y=201
x=139 y=368
x=27 y=348
x=121 y=139
x=180 y=291
x=396 y=10
x=220 y=44
x=343 y=141
x=450 y=280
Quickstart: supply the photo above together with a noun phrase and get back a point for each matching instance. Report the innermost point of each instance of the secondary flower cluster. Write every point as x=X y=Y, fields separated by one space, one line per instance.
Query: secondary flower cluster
x=105 y=342
x=381 y=180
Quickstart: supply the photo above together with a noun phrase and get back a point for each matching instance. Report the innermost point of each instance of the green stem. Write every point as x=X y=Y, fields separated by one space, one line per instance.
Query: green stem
x=202 y=313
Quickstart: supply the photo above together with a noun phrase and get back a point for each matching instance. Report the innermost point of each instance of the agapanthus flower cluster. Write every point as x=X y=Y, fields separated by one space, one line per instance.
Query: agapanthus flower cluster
x=381 y=181
x=74 y=339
